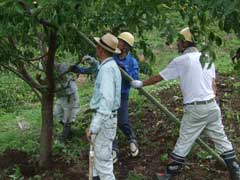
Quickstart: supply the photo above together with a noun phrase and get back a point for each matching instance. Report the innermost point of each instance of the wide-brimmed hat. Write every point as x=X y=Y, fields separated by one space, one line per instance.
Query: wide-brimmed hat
x=109 y=42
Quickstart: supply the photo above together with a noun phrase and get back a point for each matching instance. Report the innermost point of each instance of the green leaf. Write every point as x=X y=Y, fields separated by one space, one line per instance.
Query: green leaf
x=211 y=36
x=218 y=41
x=6 y=3
x=227 y=25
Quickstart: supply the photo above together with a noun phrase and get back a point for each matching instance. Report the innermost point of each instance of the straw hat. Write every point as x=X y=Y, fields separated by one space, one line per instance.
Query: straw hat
x=187 y=34
x=109 y=42
x=127 y=37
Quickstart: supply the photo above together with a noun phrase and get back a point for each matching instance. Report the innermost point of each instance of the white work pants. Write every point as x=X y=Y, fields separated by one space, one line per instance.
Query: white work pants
x=103 y=161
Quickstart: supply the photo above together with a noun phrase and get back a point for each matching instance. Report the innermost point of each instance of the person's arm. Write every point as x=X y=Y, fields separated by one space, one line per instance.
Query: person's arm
x=152 y=80
x=86 y=70
x=135 y=71
x=169 y=73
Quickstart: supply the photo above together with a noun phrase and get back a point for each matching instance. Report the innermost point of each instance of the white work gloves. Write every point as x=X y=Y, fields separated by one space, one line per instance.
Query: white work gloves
x=88 y=59
x=136 y=84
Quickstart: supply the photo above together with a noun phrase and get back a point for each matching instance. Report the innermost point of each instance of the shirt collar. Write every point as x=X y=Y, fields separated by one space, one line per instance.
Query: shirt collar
x=120 y=59
x=105 y=61
x=190 y=49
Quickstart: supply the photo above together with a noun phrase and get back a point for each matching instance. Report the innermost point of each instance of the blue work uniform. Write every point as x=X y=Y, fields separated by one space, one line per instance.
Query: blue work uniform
x=130 y=65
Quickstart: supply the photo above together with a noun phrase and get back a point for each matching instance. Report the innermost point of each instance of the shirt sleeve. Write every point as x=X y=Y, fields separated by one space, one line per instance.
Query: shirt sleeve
x=135 y=70
x=107 y=88
x=170 y=72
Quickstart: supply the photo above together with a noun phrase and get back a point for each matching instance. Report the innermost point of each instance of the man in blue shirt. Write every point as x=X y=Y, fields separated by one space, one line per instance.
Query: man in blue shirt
x=126 y=61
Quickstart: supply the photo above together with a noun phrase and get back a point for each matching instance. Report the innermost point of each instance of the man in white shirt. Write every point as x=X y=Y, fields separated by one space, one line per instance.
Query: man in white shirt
x=201 y=112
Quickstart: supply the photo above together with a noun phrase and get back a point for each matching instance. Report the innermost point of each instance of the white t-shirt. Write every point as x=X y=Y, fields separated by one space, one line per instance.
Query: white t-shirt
x=195 y=81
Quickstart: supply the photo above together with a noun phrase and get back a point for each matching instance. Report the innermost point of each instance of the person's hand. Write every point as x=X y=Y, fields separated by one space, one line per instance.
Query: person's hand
x=88 y=134
x=88 y=59
x=136 y=84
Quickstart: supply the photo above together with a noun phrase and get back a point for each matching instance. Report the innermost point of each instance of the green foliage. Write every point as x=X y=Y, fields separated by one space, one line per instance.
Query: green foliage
x=14 y=93
x=134 y=176
x=164 y=157
x=145 y=68
x=13 y=173
x=207 y=19
x=17 y=174
x=204 y=155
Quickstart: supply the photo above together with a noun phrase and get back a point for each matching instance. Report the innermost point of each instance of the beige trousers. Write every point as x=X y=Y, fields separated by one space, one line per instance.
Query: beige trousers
x=199 y=119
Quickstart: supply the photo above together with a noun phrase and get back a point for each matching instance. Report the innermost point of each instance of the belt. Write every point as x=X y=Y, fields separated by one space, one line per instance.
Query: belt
x=200 y=102
x=95 y=110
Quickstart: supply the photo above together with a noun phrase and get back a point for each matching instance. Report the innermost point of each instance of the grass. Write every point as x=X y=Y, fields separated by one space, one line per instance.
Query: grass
x=12 y=137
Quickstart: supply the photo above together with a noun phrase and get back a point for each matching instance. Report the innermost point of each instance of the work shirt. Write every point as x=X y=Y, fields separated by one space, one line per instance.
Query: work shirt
x=195 y=80
x=106 y=96
x=130 y=65
x=65 y=85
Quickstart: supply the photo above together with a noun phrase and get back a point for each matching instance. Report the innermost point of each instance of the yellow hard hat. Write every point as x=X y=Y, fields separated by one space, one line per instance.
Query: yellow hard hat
x=127 y=37
x=187 y=34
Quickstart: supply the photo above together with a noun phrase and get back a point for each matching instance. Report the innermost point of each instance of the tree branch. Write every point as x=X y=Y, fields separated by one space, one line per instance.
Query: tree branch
x=23 y=78
x=29 y=79
x=38 y=58
x=44 y=22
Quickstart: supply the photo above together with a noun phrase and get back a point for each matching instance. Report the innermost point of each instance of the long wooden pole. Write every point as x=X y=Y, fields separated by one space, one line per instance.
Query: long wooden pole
x=171 y=116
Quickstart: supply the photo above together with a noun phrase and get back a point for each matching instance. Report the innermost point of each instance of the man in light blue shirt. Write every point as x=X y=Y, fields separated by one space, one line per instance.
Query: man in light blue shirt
x=105 y=102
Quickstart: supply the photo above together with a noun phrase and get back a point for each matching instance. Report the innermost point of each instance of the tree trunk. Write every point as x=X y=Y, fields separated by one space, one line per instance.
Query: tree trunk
x=47 y=130
x=47 y=104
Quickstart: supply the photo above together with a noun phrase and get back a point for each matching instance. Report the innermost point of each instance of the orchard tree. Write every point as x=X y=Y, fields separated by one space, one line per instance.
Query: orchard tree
x=38 y=31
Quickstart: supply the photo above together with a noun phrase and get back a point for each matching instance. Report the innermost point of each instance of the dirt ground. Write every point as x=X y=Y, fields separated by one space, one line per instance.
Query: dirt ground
x=156 y=138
